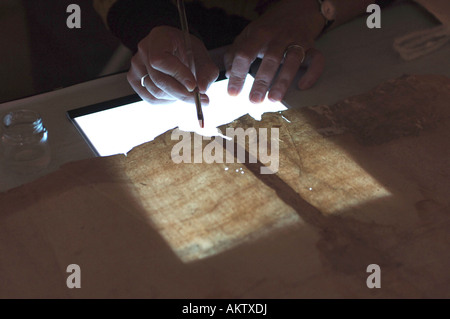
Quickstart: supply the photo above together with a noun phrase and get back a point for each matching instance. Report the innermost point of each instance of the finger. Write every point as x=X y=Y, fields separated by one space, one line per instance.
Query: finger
x=136 y=71
x=134 y=78
x=316 y=64
x=146 y=95
x=230 y=52
x=172 y=66
x=156 y=91
x=150 y=98
x=292 y=61
x=168 y=85
x=228 y=61
x=238 y=73
x=204 y=99
x=245 y=54
x=175 y=92
x=266 y=72
x=160 y=97
x=207 y=73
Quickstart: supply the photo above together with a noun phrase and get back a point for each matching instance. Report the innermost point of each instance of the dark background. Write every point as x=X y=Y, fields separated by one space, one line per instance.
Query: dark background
x=39 y=53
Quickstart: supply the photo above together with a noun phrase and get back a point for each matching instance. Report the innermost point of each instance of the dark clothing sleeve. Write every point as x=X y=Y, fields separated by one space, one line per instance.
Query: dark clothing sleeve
x=132 y=20
x=383 y=3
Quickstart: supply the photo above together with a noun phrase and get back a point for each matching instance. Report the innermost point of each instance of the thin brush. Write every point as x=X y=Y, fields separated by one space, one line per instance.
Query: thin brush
x=190 y=57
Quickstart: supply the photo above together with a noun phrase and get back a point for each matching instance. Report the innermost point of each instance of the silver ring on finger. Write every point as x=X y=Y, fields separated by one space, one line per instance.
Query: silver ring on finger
x=143 y=80
x=295 y=46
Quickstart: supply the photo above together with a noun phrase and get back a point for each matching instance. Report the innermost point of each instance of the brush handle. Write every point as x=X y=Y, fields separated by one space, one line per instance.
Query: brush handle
x=190 y=58
x=187 y=36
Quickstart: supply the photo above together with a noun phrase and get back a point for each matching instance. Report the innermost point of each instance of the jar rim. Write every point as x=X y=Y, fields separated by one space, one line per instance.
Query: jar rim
x=27 y=115
x=22 y=124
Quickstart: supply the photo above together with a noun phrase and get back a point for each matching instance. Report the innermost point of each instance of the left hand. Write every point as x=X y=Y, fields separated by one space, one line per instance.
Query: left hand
x=286 y=23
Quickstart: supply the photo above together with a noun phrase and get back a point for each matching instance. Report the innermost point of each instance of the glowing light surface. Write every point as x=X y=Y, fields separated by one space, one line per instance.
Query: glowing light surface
x=118 y=130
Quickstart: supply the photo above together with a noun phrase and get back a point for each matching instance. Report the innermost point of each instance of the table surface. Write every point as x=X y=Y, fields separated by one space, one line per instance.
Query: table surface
x=38 y=239
x=357 y=59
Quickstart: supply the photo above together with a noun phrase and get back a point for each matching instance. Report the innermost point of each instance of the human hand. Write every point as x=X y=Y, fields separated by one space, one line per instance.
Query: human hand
x=290 y=23
x=162 y=55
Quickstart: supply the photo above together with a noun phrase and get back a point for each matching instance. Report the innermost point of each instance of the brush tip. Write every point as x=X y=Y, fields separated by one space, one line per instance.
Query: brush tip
x=200 y=122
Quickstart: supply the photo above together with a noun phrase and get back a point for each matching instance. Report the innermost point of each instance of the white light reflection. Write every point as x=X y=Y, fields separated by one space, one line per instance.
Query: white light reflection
x=118 y=130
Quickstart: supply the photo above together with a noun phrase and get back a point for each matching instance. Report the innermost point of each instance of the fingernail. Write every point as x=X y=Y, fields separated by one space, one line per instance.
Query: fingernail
x=275 y=96
x=190 y=86
x=204 y=100
x=232 y=90
x=256 y=97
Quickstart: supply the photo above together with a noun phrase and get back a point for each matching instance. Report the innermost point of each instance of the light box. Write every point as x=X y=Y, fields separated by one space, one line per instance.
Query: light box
x=116 y=126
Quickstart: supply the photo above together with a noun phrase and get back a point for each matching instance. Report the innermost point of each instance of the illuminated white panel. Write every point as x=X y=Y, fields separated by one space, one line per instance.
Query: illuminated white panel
x=118 y=130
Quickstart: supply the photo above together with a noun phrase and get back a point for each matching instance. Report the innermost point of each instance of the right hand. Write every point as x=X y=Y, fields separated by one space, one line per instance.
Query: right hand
x=161 y=55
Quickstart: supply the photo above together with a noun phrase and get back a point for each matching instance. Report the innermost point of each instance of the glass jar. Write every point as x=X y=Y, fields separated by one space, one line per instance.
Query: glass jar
x=24 y=143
